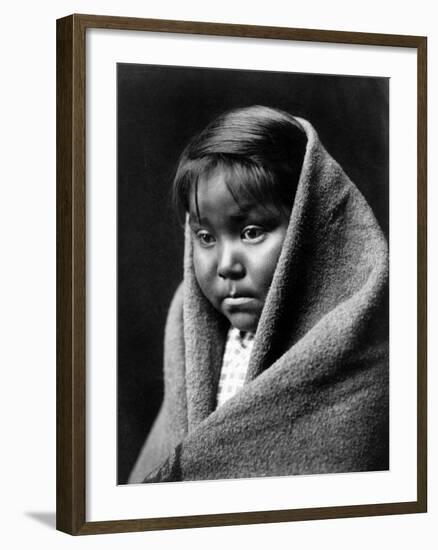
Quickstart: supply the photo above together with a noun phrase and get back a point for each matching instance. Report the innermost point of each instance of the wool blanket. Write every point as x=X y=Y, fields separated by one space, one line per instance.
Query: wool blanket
x=315 y=399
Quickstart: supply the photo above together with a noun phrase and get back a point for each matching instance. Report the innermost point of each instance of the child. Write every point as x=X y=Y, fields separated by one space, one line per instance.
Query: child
x=276 y=343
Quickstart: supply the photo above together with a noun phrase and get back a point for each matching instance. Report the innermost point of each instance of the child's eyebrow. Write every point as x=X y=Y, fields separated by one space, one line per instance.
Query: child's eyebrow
x=246 y=210
x=240 y=215
x=194 y=220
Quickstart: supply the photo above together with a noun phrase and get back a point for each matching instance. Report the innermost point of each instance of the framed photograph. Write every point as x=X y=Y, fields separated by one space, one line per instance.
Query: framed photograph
x=241 y=274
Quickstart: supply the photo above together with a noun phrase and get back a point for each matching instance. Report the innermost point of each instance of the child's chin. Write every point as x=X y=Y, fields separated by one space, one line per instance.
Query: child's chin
x=244 y=321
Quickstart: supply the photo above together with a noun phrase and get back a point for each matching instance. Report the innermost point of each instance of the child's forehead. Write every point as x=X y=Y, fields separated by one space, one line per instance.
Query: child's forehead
x=233 y=189
x=217 y=191
x=224 y=206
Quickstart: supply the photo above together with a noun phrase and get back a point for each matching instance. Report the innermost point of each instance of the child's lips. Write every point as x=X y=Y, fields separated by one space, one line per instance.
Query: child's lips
x=237 y=300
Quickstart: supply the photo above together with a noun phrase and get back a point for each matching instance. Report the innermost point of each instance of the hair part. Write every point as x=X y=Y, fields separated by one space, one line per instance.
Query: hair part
x=259 y=150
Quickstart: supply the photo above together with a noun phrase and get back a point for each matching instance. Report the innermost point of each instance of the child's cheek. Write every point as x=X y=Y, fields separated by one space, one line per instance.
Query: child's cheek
x=205 y=271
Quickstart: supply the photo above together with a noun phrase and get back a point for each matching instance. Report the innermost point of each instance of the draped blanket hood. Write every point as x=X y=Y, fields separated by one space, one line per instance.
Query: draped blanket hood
x=316 y=394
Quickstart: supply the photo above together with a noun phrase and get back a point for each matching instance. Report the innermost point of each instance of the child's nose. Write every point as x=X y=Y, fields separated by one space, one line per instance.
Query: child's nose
x=230 y=265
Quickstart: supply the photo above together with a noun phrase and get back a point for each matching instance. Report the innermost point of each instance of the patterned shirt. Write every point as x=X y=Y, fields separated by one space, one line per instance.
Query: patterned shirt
x=235 y=363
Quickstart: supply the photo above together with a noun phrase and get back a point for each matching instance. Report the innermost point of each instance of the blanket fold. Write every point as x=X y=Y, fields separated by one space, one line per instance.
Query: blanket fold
x=316 y=393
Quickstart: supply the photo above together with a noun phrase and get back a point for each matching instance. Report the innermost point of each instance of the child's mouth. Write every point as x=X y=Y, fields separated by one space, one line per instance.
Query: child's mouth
x=237 y=300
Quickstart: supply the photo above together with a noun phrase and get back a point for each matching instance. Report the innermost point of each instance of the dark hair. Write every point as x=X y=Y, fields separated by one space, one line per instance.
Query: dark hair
x=260 y=151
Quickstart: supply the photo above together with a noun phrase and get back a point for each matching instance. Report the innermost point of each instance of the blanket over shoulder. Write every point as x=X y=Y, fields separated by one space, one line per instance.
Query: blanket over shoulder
x=315 y=399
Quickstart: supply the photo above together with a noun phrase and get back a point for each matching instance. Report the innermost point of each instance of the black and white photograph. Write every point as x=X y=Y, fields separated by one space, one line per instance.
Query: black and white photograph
x=252 y=273
x=218 y=275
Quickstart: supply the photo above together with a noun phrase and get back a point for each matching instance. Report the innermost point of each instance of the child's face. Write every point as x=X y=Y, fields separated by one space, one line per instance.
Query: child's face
x=235 y=251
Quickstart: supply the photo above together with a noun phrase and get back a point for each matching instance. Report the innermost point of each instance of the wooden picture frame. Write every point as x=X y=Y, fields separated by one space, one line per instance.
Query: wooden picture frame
x=71 y=273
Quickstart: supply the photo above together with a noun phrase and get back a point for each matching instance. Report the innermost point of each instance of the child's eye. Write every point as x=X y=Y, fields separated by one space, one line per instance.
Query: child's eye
x=253 y=233
x=205 y=238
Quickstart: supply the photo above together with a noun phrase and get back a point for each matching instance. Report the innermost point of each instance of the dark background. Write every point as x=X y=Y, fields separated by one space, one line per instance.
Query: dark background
x=159 y=108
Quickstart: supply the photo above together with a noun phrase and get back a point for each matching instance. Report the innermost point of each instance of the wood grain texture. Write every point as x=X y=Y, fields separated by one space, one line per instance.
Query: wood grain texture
x=70 y=276
x=71 y=269
x=247 y=518
x=422 y=275
x=248 y=31
x=64 y=444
